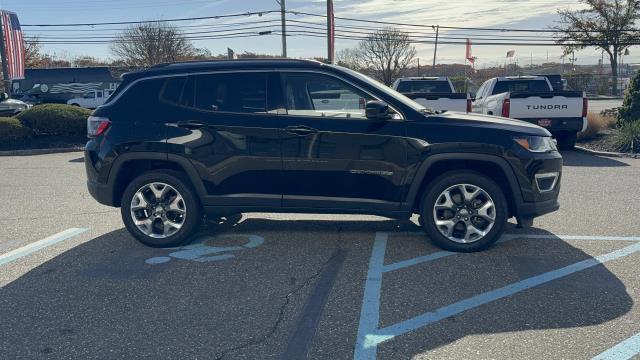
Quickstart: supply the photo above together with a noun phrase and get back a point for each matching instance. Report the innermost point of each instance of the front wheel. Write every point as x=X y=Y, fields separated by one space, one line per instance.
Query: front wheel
x=464 y=211
x=160 y=209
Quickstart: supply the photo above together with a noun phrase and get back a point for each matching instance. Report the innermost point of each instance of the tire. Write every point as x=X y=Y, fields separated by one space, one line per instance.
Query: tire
x=187 y=213
x=78 y=105
x=489 y=192
x=567 y=141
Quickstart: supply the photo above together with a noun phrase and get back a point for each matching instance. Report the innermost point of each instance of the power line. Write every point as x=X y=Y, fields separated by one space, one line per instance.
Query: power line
x=259 y=13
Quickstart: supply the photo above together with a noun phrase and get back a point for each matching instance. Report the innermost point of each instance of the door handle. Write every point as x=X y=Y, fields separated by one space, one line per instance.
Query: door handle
x=301 y=130
x=190 y=124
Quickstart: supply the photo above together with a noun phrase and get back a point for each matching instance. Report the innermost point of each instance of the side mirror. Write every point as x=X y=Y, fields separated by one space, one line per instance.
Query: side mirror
x=3 y=96
x=377 y=110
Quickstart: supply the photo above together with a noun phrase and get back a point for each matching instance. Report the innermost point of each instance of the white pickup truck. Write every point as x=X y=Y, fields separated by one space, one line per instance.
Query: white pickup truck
x=92 y=99
x=532 y=99
x=436 y=93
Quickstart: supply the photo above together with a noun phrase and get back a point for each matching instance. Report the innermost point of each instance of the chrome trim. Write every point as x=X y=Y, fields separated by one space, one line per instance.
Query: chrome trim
x=544 y=176
x=119 y=94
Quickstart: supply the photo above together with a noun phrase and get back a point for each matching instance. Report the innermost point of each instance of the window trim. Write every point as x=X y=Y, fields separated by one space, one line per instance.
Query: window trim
x=265 y=71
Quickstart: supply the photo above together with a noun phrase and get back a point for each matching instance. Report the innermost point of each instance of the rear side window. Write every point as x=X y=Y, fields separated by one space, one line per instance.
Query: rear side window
x=424 y=86
x=142 y=94
x=231 y=92
x=520 y=86
x=172 y=90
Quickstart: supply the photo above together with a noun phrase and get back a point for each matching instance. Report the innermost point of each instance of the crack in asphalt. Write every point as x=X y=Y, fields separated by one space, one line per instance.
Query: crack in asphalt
x=287 y=300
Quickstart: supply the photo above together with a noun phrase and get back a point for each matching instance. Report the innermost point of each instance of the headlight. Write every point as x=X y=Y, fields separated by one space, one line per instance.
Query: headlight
x=536 y=143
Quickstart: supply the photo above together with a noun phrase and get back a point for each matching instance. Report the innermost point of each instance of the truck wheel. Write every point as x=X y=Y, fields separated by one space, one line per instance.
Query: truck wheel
x=78 y=105
x=464 y=211
x=566 y=141
x=160 y=209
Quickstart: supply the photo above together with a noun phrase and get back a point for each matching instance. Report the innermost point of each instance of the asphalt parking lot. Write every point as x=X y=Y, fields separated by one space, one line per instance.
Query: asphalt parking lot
x=74 y=284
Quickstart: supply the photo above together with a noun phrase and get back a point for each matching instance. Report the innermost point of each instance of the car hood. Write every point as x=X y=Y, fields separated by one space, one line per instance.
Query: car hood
x=496 y=122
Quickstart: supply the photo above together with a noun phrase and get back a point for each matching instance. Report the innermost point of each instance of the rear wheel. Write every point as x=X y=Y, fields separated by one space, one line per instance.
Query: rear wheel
x=464 y=211
x=160 y=209
x=566 y=141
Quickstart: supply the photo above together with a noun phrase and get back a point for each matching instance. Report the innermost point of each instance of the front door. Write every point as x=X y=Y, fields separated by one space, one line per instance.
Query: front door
x=333 y=156
x=231 y=137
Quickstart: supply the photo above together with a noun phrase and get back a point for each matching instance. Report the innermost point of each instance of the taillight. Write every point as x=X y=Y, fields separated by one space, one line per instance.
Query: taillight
x=585 y=107
x=468 y=105
x=506 y=108
x=97 y=125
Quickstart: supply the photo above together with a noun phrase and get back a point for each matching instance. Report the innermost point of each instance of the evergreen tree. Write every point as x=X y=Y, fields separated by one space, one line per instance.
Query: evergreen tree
x=630 y=110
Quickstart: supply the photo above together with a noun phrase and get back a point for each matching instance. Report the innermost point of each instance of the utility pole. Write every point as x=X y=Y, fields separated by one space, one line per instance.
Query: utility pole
x=5 y=67
x=284 y=27
x=435 y=49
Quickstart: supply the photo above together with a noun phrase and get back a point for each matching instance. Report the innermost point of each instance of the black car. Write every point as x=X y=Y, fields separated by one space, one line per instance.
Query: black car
x=178 y=141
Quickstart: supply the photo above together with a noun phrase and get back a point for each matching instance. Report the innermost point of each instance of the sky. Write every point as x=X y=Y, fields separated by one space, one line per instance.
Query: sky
x=528 y=14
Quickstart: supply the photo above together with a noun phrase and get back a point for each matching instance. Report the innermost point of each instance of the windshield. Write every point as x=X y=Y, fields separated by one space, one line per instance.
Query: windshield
x=424 y=86
x=385 y=89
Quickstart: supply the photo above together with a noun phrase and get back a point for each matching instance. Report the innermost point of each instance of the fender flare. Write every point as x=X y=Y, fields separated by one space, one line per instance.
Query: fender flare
x=412 y=194
x=184 y=163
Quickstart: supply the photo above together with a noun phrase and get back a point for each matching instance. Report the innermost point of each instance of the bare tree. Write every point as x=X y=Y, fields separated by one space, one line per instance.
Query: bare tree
x=350 y=58
x=605 y=24
x=33 y=57
x=387 y=53
x=148 y=44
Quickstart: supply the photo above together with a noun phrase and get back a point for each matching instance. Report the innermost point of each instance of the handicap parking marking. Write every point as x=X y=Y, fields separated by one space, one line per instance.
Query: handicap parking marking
x=370 y=336
x=200 y=252
x=622 y=351
x=39 y=245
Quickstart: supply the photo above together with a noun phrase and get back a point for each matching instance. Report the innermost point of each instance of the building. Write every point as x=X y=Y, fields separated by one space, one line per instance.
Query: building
x=61 y=84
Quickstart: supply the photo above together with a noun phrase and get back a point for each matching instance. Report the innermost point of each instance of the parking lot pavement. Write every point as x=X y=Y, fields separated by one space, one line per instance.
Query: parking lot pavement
x=290 y=286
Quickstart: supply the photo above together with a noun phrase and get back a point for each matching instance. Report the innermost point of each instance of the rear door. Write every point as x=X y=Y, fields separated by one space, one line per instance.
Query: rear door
x=333 y=156
x=223 y=125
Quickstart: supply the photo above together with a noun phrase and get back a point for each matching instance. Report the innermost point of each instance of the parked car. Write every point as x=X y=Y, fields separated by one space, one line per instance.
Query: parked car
x=436 y=93
x=10 y=107
x=225 y=137
x=532 y=99
x=91 y=99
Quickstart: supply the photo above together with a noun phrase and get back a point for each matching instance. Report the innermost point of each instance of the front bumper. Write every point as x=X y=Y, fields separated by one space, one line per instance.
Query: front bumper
x=535 y=209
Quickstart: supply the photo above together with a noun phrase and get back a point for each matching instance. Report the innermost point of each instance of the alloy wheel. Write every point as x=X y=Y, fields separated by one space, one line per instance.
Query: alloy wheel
x=464 y=213
x=158 y=210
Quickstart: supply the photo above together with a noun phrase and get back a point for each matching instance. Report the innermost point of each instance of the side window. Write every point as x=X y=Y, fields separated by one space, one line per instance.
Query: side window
x=172 y=90
x=231 y=92
x=308 y=94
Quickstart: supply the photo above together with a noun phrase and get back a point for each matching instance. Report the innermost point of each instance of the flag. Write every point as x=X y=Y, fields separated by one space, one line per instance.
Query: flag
x=469 y=56
x=511 y=53
x=331 y=31
x=13 y=45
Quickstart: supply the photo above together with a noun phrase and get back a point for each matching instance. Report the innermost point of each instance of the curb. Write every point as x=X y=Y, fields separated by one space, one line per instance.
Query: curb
x=606 y=153
x=28 y=152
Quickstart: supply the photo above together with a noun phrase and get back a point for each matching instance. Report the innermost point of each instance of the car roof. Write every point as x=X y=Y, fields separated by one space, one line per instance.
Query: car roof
x=522 y=77
x=239 y=64
x=430 y=78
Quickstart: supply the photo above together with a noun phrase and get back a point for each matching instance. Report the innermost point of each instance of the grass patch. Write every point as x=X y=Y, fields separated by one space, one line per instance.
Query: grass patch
x=595 y=124
x=628 y=137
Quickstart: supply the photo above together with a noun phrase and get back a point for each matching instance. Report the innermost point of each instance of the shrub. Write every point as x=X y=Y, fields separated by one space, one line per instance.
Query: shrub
x=595 y=124
x=630 y=110
x=628 y=137
x=55 y=119
x=12 y=131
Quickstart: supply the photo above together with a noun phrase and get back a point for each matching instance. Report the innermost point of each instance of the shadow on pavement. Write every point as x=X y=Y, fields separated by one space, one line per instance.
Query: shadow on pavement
x=101 y=299
x=575 y=158
x=585 y=298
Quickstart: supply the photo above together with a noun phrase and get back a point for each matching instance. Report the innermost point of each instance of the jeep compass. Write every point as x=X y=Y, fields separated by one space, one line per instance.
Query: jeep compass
x=178 y=141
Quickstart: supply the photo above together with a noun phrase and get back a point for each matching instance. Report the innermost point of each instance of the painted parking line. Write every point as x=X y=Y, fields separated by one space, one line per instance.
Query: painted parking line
x=39 y=245
x=622 y=351
x=370 y=336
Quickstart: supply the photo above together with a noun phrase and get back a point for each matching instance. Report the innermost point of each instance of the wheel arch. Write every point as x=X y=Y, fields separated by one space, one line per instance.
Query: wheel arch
x=130 y=165
x=491 y=166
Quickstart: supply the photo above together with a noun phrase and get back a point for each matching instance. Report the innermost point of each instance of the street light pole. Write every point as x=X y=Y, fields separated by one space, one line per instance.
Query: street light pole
x=284 y=27
x=435 y=49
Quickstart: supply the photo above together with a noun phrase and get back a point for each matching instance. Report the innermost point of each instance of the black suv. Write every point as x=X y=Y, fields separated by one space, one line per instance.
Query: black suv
x=178 y=141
